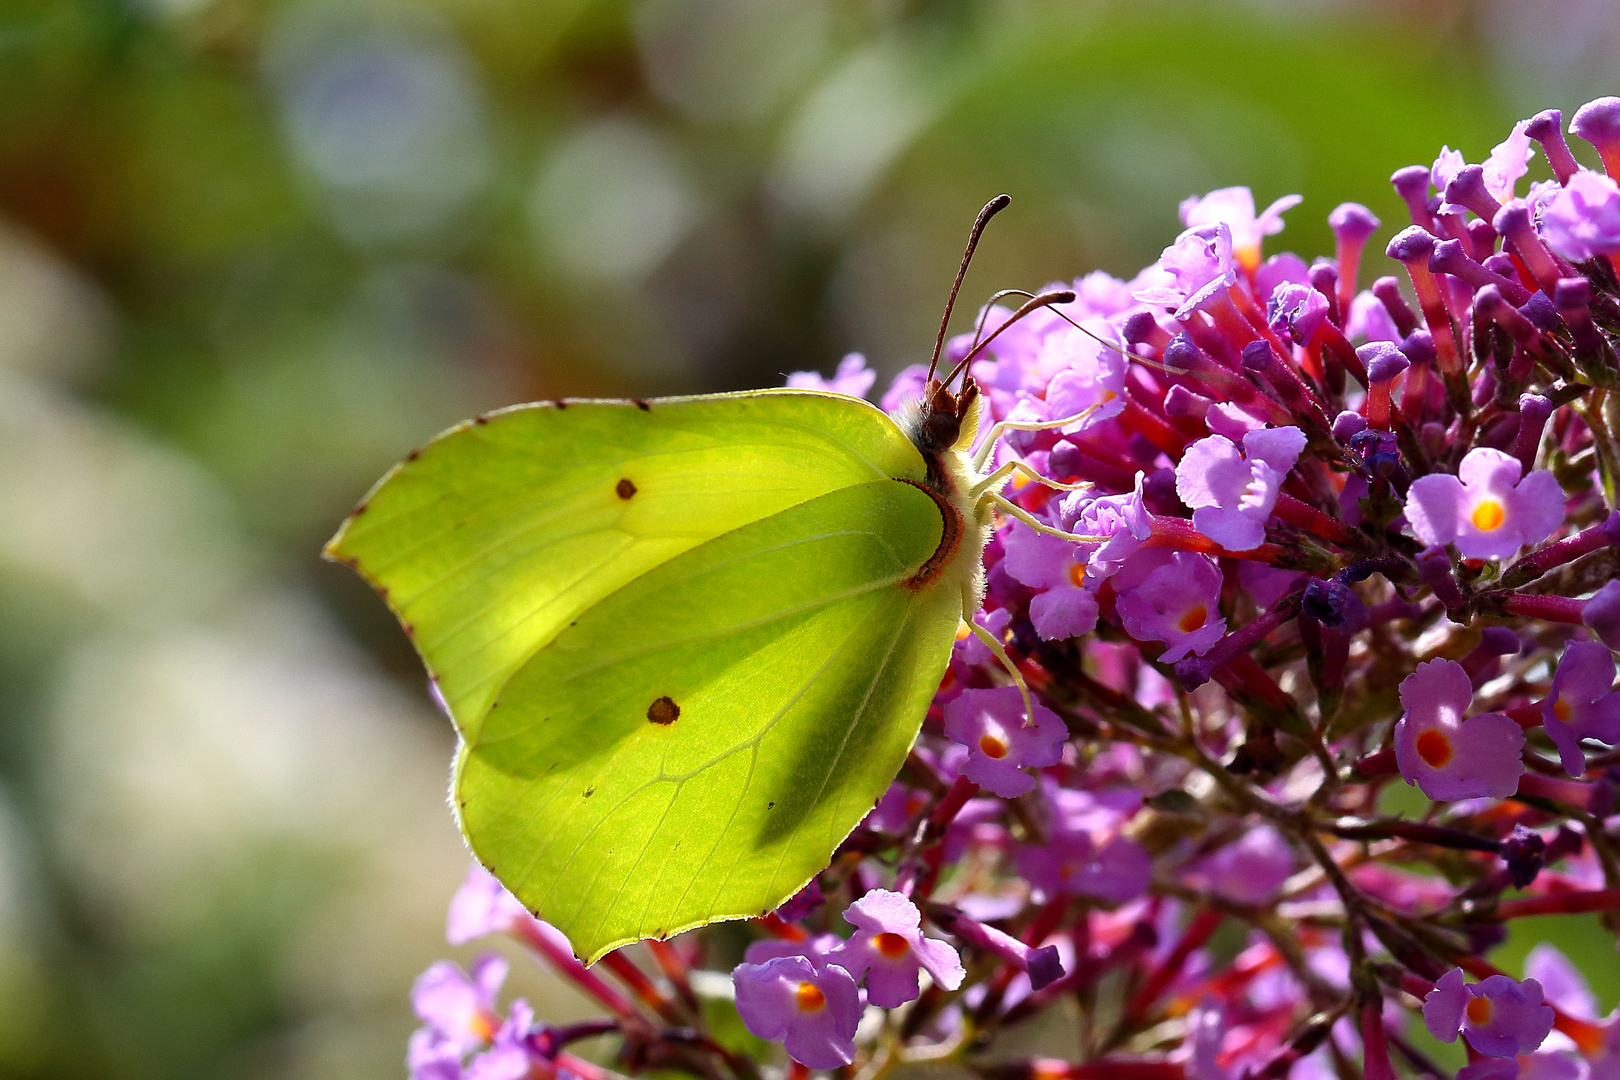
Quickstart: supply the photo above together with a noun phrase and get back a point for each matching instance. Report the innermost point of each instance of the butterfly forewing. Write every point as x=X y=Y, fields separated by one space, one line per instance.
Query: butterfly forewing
x=696 y=745
x=499 y=533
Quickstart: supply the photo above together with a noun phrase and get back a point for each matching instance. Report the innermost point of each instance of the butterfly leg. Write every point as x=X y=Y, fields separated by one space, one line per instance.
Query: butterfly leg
x=1001 y=427
x=1000 y=653
x=995 y=479
x=1006 y=507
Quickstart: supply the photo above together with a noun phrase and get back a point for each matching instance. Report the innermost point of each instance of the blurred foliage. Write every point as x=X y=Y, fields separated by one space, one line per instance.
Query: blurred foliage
x=252 y=251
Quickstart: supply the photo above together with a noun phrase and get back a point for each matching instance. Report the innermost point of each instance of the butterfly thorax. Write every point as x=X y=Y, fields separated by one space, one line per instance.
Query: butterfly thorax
x=943 y=426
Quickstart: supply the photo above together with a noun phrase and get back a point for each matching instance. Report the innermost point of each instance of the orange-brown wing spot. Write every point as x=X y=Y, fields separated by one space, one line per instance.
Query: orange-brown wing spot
x=950 y=538
x=642 y=405
x=561 y=403
x=625 y=488
x=414 y=454
x=664 y=711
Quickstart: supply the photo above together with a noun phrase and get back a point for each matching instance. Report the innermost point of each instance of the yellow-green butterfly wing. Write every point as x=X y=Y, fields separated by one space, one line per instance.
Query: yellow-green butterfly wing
x=494 y=536
x=696 y=745
x=684 y=641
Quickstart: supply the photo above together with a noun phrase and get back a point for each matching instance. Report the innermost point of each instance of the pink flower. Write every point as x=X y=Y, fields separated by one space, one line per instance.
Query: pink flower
x=1582 y=219
x=480 y=907
x=1071 y=863
x=457 y=1007
x=1178 y=604
x=1234 y=208
x=1232 y=494
x=1486 y=508
x=1065 y=604
x=1581 y=704
x=853 y=378
x=812 y=1011
x=1000 y=741
x=1200 y=258
x=889 y=949
x=1500 y=1017
x=1449 y=757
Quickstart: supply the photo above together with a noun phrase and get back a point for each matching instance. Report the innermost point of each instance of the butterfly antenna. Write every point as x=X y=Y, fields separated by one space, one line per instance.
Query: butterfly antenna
x=1121 y=349
x=984 y=312
x=991 y=209
x=1033 y=304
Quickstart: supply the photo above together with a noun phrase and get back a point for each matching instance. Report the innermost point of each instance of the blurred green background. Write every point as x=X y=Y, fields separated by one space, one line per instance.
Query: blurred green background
x=251 y=252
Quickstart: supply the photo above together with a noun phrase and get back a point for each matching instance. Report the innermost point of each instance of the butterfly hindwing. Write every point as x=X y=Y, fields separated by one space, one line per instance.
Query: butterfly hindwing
x=498 y=533
x=696 y=745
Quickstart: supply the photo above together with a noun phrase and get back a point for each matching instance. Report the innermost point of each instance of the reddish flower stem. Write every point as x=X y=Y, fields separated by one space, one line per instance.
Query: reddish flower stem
x=1561 y=609
x=1564 y=551
x=1566 y=903
x=636 y=981
x=673 y=965
x=1573 y=792
x=1375 y=1048
x=1314 y=521
x=1152 y=428
x=774 y=925
x=1199 y=931
x=554 y=947
x=1173 y=532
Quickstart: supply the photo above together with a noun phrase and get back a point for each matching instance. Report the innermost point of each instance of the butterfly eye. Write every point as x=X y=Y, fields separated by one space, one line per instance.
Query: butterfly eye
x=943 y=427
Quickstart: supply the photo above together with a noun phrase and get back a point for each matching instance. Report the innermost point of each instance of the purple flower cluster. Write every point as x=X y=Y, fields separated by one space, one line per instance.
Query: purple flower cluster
x=1331 y=538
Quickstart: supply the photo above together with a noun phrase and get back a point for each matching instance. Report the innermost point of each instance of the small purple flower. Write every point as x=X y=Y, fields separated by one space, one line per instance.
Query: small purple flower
x=1122 y=519
x=1232 y=494
x=1561 y=981
x=1602 y=614
x=457 y=1007
x=1000 y=741
x=812 y=1011
x=1509 y=160
x=1089 y=376
x=853 y=378
x=1071 y=863
x=1234 y=208
x=907 y=386
x=1178 y=604
x=1582 y=704
x=1200 y=257
x=813 y=951
x=480 y=907
x=1064 y=607
x=1582 y=219
x=1500 y=1017
x=1449 y=757
x=969 y=651
x=889 y=948
x=1370 y=320
x=1297 y=309
x=511 y=1055
x=1252 y=869
x=1486 y=508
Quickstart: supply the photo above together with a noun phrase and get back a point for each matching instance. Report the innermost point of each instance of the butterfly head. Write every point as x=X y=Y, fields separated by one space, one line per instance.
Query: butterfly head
x=943 y=417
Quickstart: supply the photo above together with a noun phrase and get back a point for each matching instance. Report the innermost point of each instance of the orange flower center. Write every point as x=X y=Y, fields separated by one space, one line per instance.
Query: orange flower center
x=892 y=946
x=963 y=631
x=1488 y=516
x=992 y=746
x=484 y=1025
x=809 y=997
x=1434 y=748
x=1479 y=1011
x=1077 y=574
x=1561 y=709
x=1193 y=618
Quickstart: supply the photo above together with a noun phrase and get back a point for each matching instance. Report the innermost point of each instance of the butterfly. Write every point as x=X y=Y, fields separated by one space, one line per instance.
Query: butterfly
x=686 y=643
